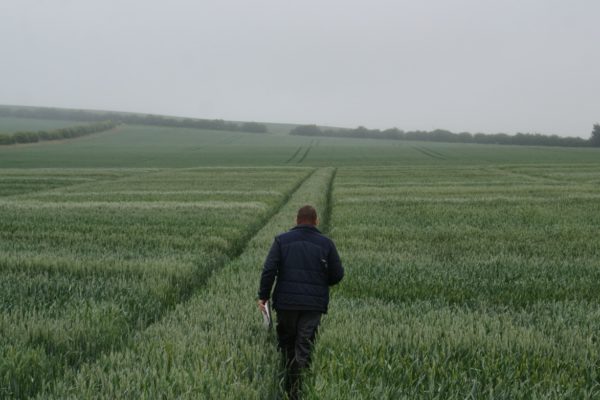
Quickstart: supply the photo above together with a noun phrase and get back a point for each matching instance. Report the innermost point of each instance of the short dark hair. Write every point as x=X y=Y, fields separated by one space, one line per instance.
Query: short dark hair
x=308 y=214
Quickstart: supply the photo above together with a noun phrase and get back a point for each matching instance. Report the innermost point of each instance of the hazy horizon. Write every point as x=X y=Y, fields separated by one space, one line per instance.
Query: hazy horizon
x=463 y=65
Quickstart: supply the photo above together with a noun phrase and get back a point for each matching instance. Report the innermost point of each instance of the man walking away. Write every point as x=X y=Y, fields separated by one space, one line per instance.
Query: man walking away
x=305 y=263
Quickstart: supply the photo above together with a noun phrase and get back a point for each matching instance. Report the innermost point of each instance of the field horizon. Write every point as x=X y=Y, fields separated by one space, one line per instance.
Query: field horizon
x=174 y=147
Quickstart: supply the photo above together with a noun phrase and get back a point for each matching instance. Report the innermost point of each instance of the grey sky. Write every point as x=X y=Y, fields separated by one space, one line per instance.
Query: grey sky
x=463 y=65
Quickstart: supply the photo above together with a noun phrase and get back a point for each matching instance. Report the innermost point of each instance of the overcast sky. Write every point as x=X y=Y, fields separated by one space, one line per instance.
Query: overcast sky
x=464 y=65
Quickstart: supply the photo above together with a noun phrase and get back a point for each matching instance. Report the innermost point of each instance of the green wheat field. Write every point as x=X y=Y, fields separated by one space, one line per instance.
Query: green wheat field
x=130 y=259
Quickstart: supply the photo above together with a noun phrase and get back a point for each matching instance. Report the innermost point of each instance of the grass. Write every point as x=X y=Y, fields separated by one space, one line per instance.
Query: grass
x=129 y=262
x=87 y=265
x=463 y=283
x=213 y=345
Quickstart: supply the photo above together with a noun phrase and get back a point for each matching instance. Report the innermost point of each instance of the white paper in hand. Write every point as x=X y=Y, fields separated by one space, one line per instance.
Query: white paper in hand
x=266 y=313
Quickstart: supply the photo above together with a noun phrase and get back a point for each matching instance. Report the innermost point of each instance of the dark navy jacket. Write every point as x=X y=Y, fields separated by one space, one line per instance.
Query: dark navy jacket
x=306 y=263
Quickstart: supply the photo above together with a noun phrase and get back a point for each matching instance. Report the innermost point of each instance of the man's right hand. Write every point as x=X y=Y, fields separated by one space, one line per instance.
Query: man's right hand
x=261 y=305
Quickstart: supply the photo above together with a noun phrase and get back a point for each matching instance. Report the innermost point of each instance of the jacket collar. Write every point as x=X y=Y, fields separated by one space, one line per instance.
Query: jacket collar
x=307 y=227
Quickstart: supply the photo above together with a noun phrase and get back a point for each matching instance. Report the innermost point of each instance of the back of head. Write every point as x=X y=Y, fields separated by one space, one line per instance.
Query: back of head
x=307 y=215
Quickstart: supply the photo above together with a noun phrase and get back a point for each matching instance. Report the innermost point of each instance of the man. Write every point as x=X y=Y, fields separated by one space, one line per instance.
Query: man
x=305 y=263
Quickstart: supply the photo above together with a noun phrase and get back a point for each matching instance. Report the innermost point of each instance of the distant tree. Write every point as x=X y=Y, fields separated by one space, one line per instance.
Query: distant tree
x=57 y=134
x=392 y=133
x=43 y=135
x=25 y=137
x=306 y=130
x=442 y=135
x=54 y=135
x=595 y=138
x=253 y=127
x=6 y=139
x=361 y=132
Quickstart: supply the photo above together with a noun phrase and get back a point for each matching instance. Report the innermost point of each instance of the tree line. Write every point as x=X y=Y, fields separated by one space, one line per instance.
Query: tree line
x=129 y=118
x=56 y=134
x=441 y=135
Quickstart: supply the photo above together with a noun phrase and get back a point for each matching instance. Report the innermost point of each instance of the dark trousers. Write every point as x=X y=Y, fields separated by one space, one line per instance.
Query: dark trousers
x=296 y=331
